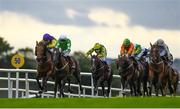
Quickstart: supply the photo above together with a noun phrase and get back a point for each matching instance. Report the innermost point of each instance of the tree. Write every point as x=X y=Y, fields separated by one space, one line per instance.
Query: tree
x=5 y=47
x=30 y=62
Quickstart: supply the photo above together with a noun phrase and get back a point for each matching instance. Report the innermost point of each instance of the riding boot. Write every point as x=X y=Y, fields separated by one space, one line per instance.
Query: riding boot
x=72 y=66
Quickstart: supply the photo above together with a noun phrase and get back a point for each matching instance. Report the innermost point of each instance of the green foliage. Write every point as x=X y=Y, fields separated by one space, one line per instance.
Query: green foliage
x=83 y=61
x=4 y=47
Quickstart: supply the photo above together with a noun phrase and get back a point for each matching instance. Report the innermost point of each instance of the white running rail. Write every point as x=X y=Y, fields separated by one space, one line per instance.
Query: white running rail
x=27 y=93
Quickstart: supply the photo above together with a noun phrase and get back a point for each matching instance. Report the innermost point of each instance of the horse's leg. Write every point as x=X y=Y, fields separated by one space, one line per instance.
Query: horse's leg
x=102 y=85
x=95 y=86
x=60 y=85
x=123 y=86
x=78 y=78
x=69 y=84
x=61 y=88
x=39 y=84
x=45 y=79
x=55 y=88
x=109 y=86
x=170 y=87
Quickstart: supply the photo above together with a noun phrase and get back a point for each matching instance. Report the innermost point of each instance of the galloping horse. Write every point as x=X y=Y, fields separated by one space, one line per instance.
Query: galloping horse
x=158 y=72
x=141 y=70
x=45 y=66
x=64 y=72
x=173 y=80
x=100 y=74
x=128 y=75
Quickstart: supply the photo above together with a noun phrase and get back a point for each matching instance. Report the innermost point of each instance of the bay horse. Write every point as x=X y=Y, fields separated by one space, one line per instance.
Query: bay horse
x=45 y=67
x=64 y=72
x=158 y=72
x=173 y=80
x=128 y=75
x=100 y=74
x=141 y=70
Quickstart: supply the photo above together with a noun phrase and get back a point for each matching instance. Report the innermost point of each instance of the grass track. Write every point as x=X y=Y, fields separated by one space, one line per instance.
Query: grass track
x=158 y=102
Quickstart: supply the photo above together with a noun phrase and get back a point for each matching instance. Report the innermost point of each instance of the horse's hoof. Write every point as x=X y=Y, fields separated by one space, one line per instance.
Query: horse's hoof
x=38 y=95
x=70 y=90
x=40 y=92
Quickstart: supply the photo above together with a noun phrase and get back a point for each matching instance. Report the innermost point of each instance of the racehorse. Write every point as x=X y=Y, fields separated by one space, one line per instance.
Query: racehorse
x=64 y=72
x=141 y=70
x=45 y=67
x=158 y=72
x=173 y=80
x=128 y=74
x=100 y=74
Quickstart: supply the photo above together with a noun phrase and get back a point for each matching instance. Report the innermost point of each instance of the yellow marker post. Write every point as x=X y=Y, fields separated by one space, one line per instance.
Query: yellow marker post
x=17 y=61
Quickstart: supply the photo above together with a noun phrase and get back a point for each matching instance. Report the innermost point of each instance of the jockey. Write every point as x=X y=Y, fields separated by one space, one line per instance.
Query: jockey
x=164 y=51
x=64 y=45
x=101 y=52
x=50 y=42
x=139 y=52
x=127 y=47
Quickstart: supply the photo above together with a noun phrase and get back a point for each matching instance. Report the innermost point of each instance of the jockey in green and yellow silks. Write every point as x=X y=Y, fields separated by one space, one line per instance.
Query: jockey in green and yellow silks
x=100 y=50
x=101 y=53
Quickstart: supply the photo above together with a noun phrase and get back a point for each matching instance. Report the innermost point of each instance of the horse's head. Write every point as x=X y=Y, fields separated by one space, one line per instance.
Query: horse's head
x=40 y=52
x=123 y=62
x=154 y=53
x=95 y=62
x=56 y=56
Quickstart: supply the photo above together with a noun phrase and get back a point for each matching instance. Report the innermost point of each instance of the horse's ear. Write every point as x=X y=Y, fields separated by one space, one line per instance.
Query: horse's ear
x=36 y=42
x=151 y=44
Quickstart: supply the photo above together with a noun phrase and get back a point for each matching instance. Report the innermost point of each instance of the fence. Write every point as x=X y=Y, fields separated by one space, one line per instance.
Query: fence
x=27 y=93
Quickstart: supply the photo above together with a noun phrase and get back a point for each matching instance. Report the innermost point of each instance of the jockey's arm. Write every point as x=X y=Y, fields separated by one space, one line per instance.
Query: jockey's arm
x=122 y=51
x=69 y=44
x=137 y=51
x=52 y=44
x=130 y=49
x=90 y=51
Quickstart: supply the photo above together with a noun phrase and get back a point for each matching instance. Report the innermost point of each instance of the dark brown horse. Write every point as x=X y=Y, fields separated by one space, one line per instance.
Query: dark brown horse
x=128 y=74
x=141 y=70
x=158 y=72
x=64 y=72
x=173 y=80
x=45 y=68
x=100 y=74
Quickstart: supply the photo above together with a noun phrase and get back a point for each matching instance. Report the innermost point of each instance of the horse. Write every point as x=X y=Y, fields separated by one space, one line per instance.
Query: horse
x=64 y=72
x=158 y=72
x=127 y=71
x=45 y=67
x=141 y=70
x=100 y=74
x=173 y=80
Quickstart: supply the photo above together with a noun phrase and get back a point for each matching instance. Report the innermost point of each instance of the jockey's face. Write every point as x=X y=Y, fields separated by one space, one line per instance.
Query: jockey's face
x=97 y=50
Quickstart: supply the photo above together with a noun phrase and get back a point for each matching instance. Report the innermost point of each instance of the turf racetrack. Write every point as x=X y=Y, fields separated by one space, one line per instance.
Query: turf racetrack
x=158 y=102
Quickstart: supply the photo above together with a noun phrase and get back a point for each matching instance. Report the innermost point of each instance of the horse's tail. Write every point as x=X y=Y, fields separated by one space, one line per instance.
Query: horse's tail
x=77 y=65
x=177 y=78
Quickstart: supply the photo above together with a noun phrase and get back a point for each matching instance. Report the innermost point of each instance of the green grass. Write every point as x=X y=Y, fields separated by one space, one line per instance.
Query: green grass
x=158 y=102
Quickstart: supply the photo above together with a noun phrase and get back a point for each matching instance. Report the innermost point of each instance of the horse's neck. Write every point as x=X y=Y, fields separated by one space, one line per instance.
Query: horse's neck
x=62 y=61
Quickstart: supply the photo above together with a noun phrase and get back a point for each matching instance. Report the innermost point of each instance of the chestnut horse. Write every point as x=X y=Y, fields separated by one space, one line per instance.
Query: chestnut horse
x=158 y=72
x=45 y=68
